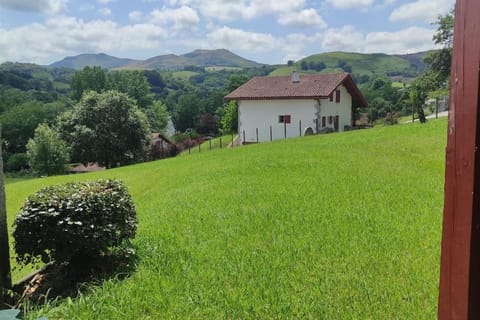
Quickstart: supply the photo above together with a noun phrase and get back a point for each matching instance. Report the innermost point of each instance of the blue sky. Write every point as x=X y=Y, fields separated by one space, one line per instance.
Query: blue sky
x=267 y=31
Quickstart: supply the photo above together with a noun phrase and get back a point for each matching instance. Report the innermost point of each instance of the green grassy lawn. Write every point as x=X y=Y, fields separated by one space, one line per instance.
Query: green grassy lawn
x=362 y=63
x=338 y=226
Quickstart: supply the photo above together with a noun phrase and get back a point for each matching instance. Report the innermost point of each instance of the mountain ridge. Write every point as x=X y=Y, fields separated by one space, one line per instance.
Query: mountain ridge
x=199 y=58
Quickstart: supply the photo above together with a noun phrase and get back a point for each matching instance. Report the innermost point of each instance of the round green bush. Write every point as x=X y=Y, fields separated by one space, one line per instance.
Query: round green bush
x=74 y=222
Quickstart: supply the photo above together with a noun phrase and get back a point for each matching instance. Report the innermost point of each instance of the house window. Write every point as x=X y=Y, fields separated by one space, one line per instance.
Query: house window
x=330 y=119
x=337 y=95
x=330 y=97
x=324 y=121
x=284 y=118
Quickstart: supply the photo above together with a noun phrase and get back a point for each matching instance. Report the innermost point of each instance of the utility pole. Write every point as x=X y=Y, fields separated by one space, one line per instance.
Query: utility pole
x=459 y=297
x=5 y=275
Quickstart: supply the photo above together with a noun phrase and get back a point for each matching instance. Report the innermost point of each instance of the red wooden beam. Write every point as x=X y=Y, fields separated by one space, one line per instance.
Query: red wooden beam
x=459 y=297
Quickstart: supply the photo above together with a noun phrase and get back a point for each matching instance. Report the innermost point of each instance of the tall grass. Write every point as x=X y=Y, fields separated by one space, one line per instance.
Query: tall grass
x=339 y=226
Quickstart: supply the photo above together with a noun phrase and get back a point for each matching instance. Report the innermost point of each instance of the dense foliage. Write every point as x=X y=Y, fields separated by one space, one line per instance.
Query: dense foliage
x=74 y=222
x=47 y=153
x=106 y=128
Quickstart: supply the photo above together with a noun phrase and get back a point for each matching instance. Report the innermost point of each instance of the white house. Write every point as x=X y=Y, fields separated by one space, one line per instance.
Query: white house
x=271 y=108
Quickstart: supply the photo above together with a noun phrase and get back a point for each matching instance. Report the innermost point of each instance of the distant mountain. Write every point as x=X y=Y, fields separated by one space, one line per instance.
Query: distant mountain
x=92 y=59
x=220 y=57
x=169 y=61
x=199 y=58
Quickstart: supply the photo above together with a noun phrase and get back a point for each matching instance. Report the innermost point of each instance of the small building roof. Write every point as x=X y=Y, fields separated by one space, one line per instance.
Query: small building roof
x=81 y=168
x=304 y=86
x=159 y=136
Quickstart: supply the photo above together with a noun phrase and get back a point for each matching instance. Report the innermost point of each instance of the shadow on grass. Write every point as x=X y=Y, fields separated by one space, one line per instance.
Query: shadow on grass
x=66 y=280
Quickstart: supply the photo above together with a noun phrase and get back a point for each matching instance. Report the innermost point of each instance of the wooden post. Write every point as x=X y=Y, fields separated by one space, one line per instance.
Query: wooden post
x=271 y=134
x=300 y=127
x=5 y=274
x=256 y=131
x=243 y=142
x=413 y=112
x=436 y=108
x=285 y=129
x=459 y=297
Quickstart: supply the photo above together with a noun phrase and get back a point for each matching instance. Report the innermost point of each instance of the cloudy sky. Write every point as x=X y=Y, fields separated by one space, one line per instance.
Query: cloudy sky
x=267 y=31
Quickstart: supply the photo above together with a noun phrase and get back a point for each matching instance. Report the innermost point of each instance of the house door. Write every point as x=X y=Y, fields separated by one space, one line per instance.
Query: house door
x=336 y=121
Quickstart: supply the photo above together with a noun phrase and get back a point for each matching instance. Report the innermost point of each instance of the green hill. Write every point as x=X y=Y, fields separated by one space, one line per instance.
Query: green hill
x=338 y=226
x=405 y=66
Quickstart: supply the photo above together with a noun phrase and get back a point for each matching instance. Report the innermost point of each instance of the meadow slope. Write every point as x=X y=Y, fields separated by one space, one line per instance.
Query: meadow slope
x=338 y=226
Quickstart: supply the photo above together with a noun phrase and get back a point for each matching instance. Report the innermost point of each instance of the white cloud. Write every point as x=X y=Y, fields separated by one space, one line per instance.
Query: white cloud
x=66 y=35
x=304 y=18
x=135 y=16
x=295 y=44
x=105 y=11
x=240 y=40
x=227 y=10
x=343 y=39
x=45 y=6
x=410 y=40
x=181 y=18
x=422 y=10
x=351 y=4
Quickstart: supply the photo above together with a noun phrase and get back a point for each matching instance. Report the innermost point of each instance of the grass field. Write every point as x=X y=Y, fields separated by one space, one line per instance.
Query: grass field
x=338 y=226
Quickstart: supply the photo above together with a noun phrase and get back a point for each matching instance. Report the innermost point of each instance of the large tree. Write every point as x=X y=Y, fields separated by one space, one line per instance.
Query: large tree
x=88 y=79
x=47 y=152
x=133 y=83
x=19 y=123
x=439 y=61
x=187 y=112
x=107 y=128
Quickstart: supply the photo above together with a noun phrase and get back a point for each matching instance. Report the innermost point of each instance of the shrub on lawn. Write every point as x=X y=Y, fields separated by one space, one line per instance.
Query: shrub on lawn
x=74 y=223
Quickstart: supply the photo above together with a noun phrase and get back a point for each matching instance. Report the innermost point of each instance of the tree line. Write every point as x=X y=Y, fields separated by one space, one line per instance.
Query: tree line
x=71 y=123
x=67 y=106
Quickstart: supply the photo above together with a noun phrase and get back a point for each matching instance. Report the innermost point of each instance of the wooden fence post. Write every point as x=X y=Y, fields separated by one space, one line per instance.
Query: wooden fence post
x=5 y=272
x=459 y=297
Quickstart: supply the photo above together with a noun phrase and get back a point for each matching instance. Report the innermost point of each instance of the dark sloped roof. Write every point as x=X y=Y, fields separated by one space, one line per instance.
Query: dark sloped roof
x=312 y=86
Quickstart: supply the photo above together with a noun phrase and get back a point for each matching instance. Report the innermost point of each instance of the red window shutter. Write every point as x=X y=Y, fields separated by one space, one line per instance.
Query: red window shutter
x=337 y=96
x=287 y=118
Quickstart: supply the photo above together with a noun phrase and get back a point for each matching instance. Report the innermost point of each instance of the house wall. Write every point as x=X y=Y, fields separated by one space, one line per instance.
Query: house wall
x=263 y=114
x=343 y=109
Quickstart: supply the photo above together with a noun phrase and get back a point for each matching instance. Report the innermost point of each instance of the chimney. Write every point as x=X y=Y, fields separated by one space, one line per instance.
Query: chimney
x=295 y=77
